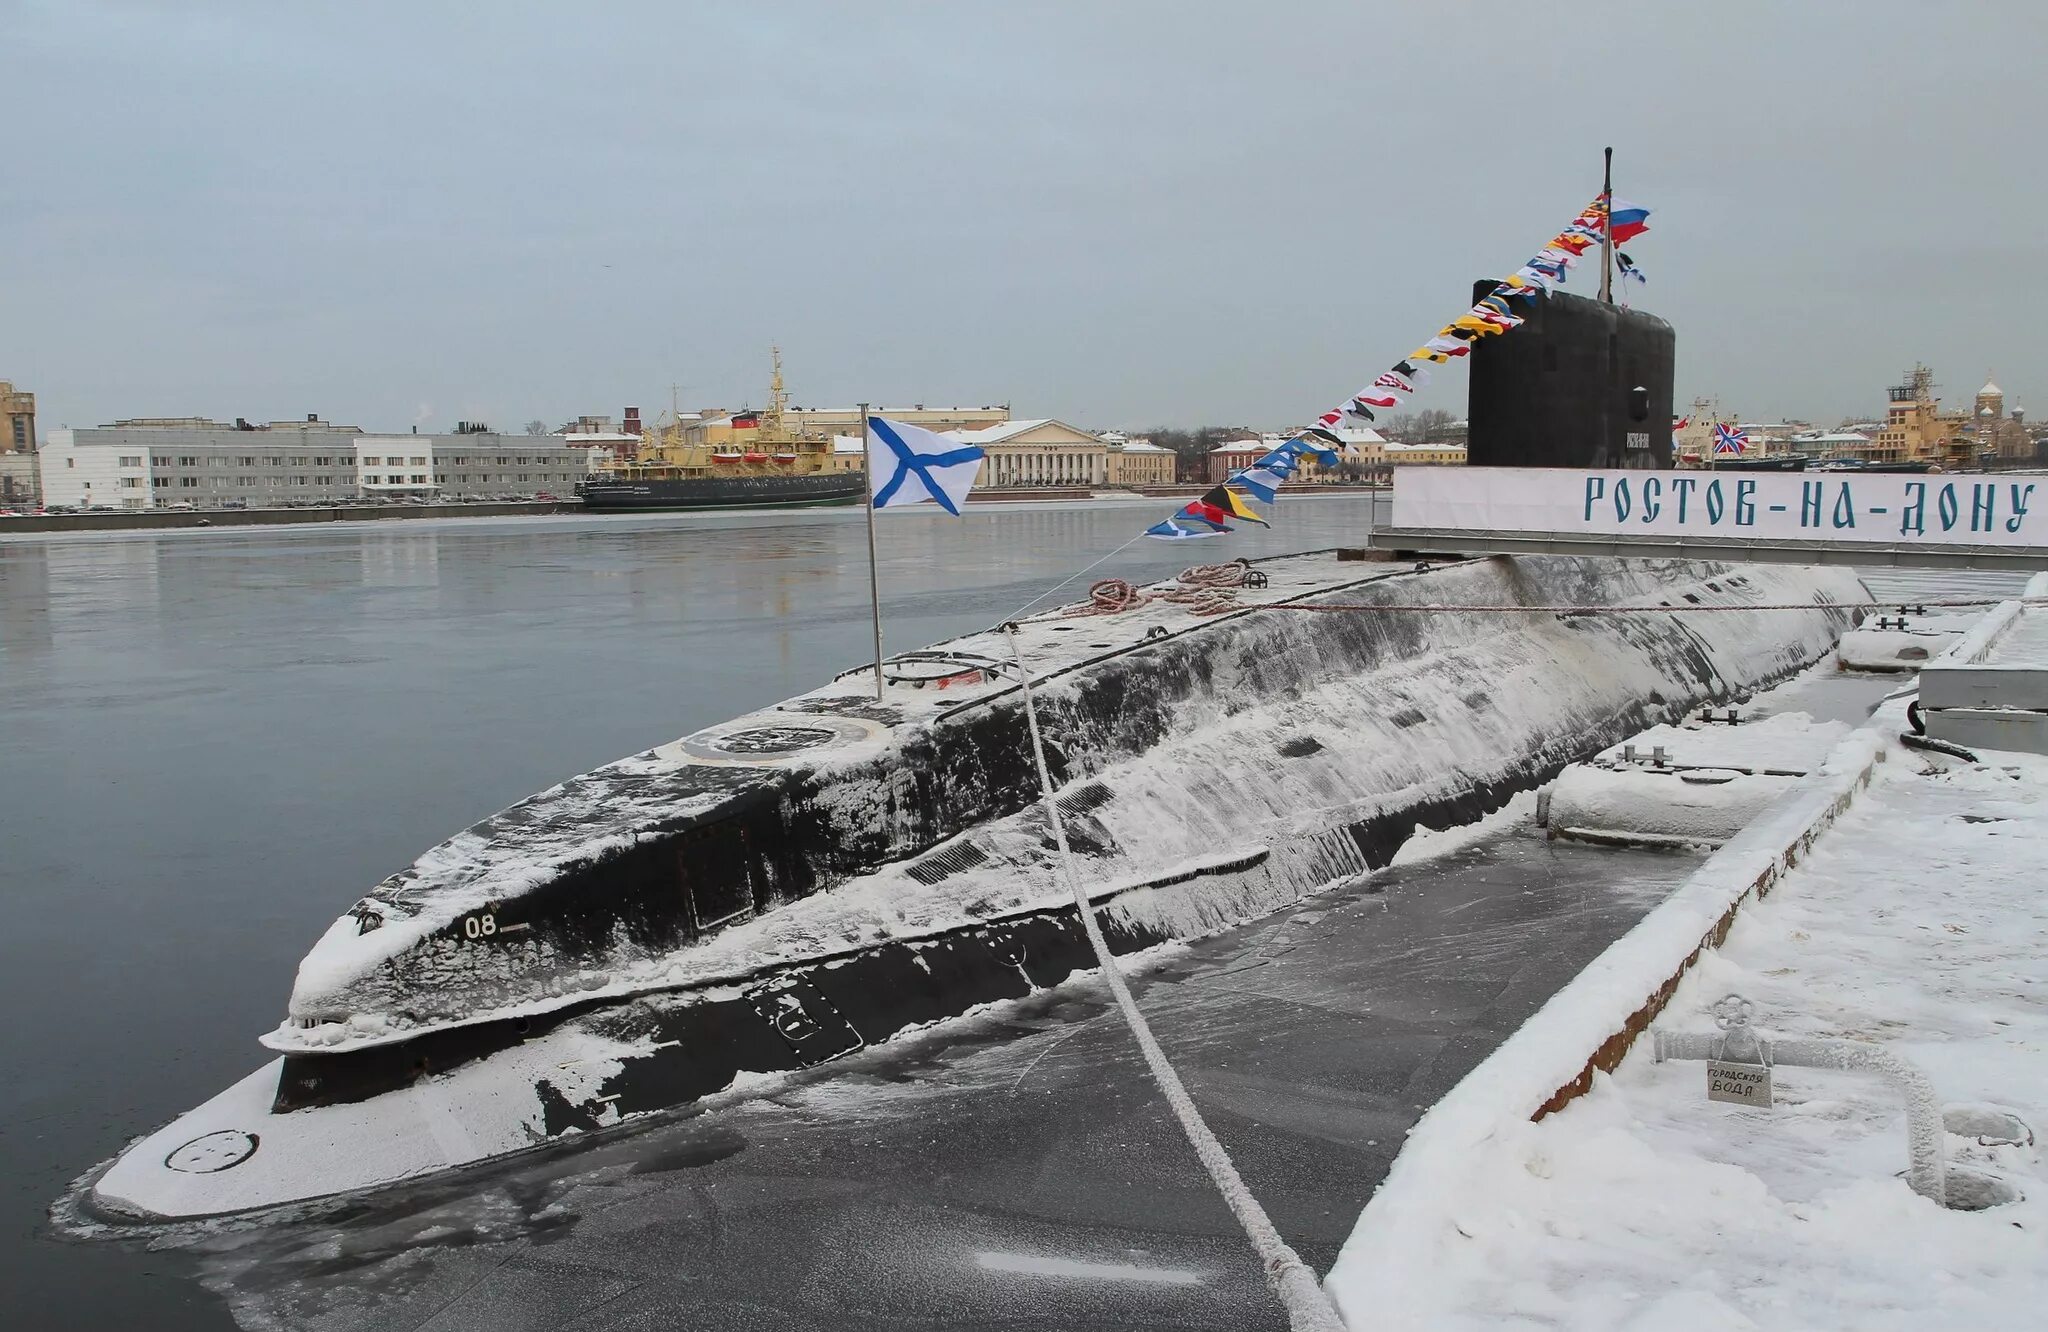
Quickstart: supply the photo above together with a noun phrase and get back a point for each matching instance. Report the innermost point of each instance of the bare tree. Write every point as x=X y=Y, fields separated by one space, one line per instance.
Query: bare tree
x=1423 y=427
x=1432 y=423
x=1191 y=447
x=536 y=427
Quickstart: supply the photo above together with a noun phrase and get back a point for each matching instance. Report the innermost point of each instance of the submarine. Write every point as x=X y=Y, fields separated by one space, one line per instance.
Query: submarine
x=789 y=887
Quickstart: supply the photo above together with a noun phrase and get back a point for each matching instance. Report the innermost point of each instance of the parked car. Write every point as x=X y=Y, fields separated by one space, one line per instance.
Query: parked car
x=182 y=506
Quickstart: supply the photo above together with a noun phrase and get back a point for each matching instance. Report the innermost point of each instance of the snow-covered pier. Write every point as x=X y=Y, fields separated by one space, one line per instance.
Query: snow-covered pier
x=1891 y=898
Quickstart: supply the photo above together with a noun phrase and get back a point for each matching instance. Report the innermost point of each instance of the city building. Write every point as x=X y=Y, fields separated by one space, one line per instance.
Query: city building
x=152 y=463
x=1359 y=447
x=1367 y=448
x=721 y=428
x=1139 y=462
x=1771 y=438
x=584 y=426
x=1398 y=454
x=1995 y=436
x=1045 y=452
x=1234 y=455
x=20 y=488
x=1818 y=444
x=17 y=419
x=1041 y=452
x=846 y=420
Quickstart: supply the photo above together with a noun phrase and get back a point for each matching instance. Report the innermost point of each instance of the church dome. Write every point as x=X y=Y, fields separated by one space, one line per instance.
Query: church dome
x=1990 y=390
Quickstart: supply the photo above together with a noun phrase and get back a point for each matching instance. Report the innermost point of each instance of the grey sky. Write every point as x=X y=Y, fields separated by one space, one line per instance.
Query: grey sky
x=1119 y=213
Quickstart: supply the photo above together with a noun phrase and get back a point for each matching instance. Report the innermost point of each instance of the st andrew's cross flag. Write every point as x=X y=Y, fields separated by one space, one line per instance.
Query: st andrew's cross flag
x=909 y=465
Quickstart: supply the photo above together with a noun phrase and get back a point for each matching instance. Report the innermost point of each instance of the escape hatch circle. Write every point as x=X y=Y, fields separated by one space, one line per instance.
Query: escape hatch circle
x=764 y=740
x=211 y=1153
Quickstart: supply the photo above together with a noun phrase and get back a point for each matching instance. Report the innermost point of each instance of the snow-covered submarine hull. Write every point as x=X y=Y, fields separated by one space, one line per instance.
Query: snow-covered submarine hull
x=1296 y=749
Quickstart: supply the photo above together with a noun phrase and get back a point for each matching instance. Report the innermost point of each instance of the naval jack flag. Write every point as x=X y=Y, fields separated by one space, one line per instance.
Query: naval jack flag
x=909 y=465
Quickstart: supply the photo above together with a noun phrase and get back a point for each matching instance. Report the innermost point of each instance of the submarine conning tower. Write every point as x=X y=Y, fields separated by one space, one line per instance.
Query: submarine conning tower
x=1579 y=384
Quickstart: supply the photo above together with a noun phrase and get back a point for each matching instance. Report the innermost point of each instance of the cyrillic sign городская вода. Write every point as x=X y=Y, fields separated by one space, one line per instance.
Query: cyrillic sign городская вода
x=1994 y=509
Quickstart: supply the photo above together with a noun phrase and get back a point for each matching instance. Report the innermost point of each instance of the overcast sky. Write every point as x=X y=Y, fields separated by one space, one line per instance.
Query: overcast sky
x=1111 y=211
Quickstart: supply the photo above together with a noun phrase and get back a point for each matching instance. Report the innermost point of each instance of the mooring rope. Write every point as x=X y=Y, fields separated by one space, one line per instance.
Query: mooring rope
x=1215 y=575
x=1208 y=589
x=1114 y=596
x=1205 y=589
x=1108 y=596
x=1018 y=613
x=1328 y=606
x=1292 y=1280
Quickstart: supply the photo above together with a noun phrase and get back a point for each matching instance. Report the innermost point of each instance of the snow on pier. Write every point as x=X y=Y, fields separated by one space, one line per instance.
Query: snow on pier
x=1914 y=921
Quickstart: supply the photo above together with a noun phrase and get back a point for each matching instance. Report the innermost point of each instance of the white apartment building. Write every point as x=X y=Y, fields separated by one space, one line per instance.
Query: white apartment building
x=210 y=465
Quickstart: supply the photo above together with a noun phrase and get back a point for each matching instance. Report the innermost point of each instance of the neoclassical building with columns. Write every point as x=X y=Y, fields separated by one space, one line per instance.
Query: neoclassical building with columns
x=1041 y=452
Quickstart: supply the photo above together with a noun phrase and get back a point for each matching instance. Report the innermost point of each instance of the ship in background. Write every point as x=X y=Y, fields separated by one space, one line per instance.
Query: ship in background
x=767 y=465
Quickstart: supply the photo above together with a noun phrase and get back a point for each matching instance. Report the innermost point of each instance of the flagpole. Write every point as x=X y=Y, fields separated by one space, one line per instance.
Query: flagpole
x=874 y=577
x=1607 y=238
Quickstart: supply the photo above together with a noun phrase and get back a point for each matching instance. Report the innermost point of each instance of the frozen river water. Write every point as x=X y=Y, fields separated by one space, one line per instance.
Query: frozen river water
x=210 y=741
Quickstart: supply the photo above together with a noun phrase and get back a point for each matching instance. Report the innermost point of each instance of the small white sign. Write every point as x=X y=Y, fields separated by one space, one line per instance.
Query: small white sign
x=1639 y=441
x=1739 y=1084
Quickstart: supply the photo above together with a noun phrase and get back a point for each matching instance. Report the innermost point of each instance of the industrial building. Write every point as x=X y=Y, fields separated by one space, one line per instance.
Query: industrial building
x=17 y=419
x=145 y=464
x=19 y=488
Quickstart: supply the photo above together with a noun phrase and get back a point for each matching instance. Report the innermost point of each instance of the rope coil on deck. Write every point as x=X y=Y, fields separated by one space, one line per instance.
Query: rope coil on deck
x=1204 y=589
x=1232 y=574
x=1293 y=1281
x=1210 y=589
x=1108 y=596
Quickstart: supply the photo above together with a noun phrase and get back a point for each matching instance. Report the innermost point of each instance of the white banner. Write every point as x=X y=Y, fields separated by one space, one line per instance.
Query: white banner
x=1887 y=508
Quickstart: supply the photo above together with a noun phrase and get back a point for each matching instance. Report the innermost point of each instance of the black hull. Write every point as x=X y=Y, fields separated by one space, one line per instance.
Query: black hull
x=723 y=492
x=788 y=1018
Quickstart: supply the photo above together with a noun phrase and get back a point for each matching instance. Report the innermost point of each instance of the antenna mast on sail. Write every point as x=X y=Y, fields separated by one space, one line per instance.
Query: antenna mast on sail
x=1607 y=230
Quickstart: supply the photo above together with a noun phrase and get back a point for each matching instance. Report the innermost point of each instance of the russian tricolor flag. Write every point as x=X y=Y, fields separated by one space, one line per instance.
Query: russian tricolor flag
x=1626 y=221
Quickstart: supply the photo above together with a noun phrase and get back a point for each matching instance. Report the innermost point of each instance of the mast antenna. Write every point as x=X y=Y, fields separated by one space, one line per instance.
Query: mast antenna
x=1607 y=230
